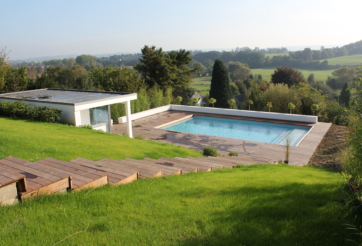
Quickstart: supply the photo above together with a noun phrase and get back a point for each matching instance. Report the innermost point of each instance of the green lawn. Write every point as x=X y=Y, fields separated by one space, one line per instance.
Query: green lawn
x=345 y=60
x=251 y=205
x=35 y=141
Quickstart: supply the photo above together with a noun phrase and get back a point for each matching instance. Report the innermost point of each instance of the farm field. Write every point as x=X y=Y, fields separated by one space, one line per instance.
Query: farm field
x=345 y=60
x=271 y=55
x=318 y=74
x=34 y=141
x=258 y=205
x=203 y=83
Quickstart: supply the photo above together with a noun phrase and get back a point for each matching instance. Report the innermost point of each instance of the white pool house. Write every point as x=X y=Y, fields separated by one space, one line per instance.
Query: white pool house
x=78 y=107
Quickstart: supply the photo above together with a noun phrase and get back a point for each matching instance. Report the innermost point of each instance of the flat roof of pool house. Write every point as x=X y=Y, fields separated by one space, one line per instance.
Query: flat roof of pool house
x=65 y=96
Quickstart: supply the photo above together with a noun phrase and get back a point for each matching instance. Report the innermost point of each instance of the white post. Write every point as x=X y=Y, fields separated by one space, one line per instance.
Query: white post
x=129 y=120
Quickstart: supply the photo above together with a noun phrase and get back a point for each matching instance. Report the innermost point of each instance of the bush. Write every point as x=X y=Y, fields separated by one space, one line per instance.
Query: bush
x=210 y=151
x=22 y=110
x=233 y=154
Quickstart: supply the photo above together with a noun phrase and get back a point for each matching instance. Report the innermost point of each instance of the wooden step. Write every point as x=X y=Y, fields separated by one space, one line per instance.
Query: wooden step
x=144 y=172
x=202 y=167
x=37 y=182
x=251 y=159
x=214 y=165
x=11 y=184
x=80 y=180
x=116 y=176
x=217 y=160
x=186 y=167
x=166 y=169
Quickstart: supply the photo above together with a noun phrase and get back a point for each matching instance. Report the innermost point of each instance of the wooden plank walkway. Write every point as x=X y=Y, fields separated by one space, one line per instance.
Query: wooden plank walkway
x=51 y=175
x=260 y=152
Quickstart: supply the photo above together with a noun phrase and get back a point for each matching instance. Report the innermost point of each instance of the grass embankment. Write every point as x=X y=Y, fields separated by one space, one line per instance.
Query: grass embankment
x=34 y=141
x=250 y=205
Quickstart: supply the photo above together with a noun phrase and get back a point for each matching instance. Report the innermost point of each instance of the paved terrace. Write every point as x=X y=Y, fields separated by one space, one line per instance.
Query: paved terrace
x=299 y=155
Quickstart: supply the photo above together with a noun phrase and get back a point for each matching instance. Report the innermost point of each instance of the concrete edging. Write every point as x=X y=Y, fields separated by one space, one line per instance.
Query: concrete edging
x=222 y=111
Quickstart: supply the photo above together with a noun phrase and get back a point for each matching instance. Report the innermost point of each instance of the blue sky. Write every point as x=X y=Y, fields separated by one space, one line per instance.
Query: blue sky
x=61 y=27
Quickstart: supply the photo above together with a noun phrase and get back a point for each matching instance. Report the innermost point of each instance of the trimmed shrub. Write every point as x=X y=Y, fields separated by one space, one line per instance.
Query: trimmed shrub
x=23 y=110
x=233 y=154
x=210 y=151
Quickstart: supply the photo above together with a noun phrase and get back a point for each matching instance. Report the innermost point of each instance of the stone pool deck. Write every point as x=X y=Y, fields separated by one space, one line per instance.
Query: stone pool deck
x=299 y=155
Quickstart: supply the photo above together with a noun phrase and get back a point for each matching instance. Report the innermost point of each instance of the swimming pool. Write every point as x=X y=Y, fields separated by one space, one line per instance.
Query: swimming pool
x=242 y=129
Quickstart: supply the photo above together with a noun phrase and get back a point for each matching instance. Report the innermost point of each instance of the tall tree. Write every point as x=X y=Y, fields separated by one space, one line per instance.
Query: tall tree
x=220 y=84
x=165 y=69
x=287 y=75
x=238 y=71
x=345 y=96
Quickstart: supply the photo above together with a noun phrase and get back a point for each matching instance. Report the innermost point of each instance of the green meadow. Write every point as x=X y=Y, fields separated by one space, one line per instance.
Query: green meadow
x=250 y=205
x=345 y=60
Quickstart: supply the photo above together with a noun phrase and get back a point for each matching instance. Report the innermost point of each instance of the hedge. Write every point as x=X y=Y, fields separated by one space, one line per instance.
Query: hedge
x=22 y=110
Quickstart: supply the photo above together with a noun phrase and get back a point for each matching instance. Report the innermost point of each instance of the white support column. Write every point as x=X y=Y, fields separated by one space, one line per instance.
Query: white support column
x=129 y=120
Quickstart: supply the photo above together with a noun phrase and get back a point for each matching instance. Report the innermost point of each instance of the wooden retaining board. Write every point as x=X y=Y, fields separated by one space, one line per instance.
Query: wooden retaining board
x=37 y=182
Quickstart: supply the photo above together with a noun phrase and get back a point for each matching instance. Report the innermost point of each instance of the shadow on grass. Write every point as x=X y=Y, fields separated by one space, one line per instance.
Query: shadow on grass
x=294 y=214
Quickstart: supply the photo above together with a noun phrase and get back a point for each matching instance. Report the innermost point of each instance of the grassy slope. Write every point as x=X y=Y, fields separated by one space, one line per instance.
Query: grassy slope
x=345 y=60
x=255 y=205
x=34 y=141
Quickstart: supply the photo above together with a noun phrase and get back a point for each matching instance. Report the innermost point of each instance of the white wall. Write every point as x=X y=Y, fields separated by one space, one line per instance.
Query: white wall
x=67 y=117
x=145 y=113
x=247 y=113
x=84 y=117
x=222 y=111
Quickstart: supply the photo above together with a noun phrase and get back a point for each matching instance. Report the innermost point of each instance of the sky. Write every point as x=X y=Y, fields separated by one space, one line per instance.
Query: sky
x=60 y=27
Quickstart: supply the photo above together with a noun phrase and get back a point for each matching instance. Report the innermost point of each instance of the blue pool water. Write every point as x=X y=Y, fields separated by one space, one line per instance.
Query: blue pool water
x=242 y=129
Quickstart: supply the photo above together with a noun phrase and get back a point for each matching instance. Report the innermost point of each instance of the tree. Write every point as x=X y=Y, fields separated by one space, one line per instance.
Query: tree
x=311 y=79
x=220 y=84
x=212 y=101
x=238 y=71
x=4 y=68
x=87 y=61
x=314 y=107
x=165 y=69
x=179 y=99
x=291 y=106
x=269 y=105
x=287 y=75
x=195 y=100
x=345 y=96
x=232 y=102
x=250 y=102
x=342 y=75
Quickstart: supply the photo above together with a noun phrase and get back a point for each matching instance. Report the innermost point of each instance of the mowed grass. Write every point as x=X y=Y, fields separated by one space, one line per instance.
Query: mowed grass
x=34 y=141
x=345 y=60
x=251 y=205
x=202 y=84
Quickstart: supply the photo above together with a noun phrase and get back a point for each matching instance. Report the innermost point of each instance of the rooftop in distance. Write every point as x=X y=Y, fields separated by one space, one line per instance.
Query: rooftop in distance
x=63 y=96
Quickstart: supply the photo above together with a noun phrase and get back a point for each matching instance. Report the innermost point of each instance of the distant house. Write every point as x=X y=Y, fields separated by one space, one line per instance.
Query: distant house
x=78 y=107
